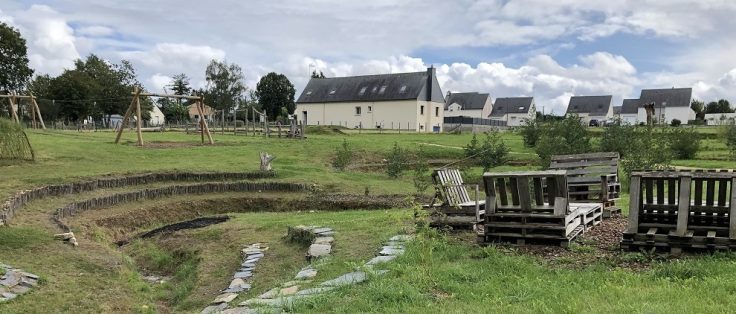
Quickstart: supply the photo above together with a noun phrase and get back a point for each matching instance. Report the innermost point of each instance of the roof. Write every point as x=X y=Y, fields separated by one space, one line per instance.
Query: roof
x=468 y=101
x=671 y=97
x=592 y=105
x=616 y=109
x=508 y=105
x=381 y=87
x=630 y=106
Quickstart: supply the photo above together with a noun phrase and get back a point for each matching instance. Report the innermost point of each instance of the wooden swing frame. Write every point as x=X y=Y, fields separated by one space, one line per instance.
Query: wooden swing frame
x=14 y=99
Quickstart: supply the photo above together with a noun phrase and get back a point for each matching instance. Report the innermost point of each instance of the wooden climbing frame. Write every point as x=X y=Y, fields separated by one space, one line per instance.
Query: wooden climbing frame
x=14 y=100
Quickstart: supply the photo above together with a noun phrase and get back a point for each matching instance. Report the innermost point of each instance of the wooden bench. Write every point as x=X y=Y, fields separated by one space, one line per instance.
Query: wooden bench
x=533 y=206
x=676 y=210
x=455 y=207
x=592 y=178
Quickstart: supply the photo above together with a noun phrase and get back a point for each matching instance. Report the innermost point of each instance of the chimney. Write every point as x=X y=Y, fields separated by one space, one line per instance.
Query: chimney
x=431 y=73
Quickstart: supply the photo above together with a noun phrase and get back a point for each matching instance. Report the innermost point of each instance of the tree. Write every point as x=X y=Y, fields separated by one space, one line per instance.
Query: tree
x=699 y=107
x=720 y=106
x=567 y=136
x=176 y=110
x=275 y=91
x=40 y=86
x=320 y=75
x=15 y=73
x=225 y=88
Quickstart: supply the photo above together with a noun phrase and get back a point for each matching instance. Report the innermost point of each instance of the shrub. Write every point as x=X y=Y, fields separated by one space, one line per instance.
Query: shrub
x=728 y=133
x=472 y=148
x=567 y=136
x=421 y=179
x=675 y=122
x=343 y=156
x=397 y=161
x=530 y=132
x=649 y=148
x=684 y=142
x=616 y=138
x=493 y=152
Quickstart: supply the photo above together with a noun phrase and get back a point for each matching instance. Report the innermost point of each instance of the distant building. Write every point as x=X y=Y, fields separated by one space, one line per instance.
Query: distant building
x=157 y=117
x=720 y=118
x=514 y=110
x=468 y=105
x=411 y=101
x=591 y=108
x=630 y=111
x=669 y=104
x=194 y=113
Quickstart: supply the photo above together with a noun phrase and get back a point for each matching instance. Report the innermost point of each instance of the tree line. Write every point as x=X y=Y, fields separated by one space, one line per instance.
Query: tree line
x=97 y=88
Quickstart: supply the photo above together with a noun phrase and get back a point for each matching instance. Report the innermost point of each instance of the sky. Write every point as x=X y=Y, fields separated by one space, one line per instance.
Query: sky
x=551 y=50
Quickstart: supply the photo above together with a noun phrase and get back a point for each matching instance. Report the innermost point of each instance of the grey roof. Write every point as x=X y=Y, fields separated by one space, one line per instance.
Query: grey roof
x=381 y=87
x=506 y=105
x=616 y=109
x=468 y=101
x=630 y=106
x=592 y=105
x=673 y=97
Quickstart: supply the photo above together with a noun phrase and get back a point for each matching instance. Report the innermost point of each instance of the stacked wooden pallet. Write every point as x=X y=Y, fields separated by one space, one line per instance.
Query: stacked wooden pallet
x=592 y=178
x=534 y=207
x=456 y=207
x=676 y=210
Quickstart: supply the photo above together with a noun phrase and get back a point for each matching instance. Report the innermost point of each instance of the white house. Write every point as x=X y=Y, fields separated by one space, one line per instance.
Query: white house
x=669 y=104
x=514 y=110
x=590 y=108
x=720 y=118
x=468 y=105
x=411 y=101
x=157 y=117
x=630 y=112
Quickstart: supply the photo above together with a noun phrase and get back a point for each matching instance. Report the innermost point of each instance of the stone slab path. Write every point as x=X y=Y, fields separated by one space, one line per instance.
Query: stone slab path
x=240 y=282
x=15 y=282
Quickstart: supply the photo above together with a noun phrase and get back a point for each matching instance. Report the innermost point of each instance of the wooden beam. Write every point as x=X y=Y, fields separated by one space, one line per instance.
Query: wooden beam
x=206 y=126
x=634 y=203
x=139 y=117
x=683 y=206
x=17 y=96
x=13 y=113
x=126 y=118
x=170 y=96
x=732 y=211
x=198 y=104
x=38 y=111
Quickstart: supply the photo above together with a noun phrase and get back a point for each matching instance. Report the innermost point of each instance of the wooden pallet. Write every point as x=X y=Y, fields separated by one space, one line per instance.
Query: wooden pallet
x=592 y=178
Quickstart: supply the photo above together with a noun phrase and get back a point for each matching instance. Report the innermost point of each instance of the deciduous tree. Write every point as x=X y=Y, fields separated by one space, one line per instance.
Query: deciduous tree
x=274 y=92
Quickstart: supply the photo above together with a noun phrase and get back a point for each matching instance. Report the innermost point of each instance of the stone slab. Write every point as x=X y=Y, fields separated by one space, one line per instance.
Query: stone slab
x=321 y=230
x=289 y=291
x=380 y=259
x=401 y=238
x=313 y=291
x=324 y=240
x=306 y=273
x=319 y=250
x=346 y=279
x=388 y=250
x=243 y=274
x=212 y=309
x=270 y=294
x=226 y=297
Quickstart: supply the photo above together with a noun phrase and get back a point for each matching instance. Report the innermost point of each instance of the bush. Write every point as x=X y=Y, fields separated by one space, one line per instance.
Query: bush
x=728 y=133
x=493 y=151
x=649 y=149
x=472 y=148
x=567 y=136
x=675 y=122
x=343 y=156
x=421 y=179
x=397 y=161
x=530 y=132
x=684 y=142
x=616 y=138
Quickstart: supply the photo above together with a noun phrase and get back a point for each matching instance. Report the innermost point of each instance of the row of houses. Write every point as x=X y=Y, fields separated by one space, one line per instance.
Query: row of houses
x=415 y=101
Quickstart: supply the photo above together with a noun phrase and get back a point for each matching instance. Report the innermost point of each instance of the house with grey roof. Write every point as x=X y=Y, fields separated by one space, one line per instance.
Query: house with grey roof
x=476 y=105
x=590 y=108
x=515 y=111
x=411 y=101
x=669 y=104
x=630 y=111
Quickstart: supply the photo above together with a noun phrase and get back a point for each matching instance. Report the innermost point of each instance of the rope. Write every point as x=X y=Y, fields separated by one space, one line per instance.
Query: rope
x=464 y=159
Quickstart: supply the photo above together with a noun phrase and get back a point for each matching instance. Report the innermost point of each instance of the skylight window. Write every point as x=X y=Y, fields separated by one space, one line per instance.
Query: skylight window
x=332 y=91
x=375 y=88
x=521 y=108
x=362 y=91
x=309 y=92
x=403 y=89
x=383 y=89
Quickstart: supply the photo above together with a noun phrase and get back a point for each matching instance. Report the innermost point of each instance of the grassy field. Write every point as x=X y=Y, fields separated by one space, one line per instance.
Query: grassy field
x=439 y=273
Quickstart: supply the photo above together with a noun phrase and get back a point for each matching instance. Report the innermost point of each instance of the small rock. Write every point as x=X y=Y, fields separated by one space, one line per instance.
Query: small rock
x=214 y=308
x=319 y=250
x=289 y=291
x=306 y=273
x=237 y=282
x=9 y=295
x=270 y=294
x=324 y=240
x=347 y=279
x=313 y=291
x=380 y=259
x=225 y=298
x=401 y=238
x=11 y=278
x=390 y=250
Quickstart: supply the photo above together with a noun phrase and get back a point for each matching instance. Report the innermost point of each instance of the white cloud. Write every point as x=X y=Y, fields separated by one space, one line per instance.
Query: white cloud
x=158 y=82
x=95 y=31
x=50 y=39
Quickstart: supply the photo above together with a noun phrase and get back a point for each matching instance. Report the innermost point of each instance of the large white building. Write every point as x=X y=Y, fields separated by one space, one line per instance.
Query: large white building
x=590 y=108
x=630 y=111
x=473 y=105
x=411 y=101
x=669 y=104
x=515 y=111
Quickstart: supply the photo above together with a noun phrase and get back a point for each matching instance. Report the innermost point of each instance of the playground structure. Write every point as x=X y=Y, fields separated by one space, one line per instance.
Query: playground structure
x=14 y=101
x=261 y=125
x=136 y=103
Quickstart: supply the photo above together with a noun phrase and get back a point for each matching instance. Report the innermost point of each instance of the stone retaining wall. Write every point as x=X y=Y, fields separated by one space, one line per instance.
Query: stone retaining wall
x=17 y=201
x=147 y=194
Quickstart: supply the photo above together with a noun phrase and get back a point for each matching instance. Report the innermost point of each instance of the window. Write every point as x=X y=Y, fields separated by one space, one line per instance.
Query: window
x=436 y=111
x=370 y=109
x=521 y=108
x=332 y=91
x=357 y=111
x=309 y=92
x=375 y=88
x=362 y=90
x=196 y=116
x=421 y=110
x=403 y=89
x=383 y=89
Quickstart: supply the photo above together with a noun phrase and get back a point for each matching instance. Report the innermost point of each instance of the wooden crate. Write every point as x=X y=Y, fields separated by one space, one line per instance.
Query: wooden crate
x=592 y=178
x=533 y=207
x=676 y=210
x=456 y=207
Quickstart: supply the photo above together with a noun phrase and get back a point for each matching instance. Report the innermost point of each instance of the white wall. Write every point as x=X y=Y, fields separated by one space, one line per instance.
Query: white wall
x=720 y=118
x=466 y=113
x=630 y=118
x=405 y=114
x=683 y=114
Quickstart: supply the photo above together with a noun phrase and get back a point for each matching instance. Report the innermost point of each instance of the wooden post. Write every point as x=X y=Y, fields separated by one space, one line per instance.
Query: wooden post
x=201 y=119
x=634 y=203
x=12 y=109
x=223 y=121
x=139 y=118
x=732 y=211
x=126 y=118
x=683 y=205
x=206 y=126
x=38 y=111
